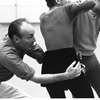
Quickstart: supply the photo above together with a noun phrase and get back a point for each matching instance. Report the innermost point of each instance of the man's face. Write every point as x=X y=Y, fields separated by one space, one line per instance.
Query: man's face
x=28 y=39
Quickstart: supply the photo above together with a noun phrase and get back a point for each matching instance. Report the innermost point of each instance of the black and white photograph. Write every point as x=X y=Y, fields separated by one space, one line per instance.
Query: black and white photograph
x=49 y=49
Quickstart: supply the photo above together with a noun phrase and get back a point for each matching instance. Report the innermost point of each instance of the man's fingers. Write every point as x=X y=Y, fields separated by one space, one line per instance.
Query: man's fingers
x=77 y=65
x=73 y=63
x=83 y=65
x=83 y=68
x=78 y=74
x=78 y=68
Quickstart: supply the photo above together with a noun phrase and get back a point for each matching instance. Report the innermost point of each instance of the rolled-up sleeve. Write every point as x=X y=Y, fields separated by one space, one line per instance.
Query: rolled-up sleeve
x=76 y=8
x=11 y=60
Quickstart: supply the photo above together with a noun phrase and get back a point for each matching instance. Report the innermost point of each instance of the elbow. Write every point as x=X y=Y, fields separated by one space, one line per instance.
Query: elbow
x=25 y=76
x=92 y=4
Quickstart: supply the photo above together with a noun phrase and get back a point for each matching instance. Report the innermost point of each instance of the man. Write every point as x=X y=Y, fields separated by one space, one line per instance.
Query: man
x=20 y=41
x=57 y=29
x=86 y=31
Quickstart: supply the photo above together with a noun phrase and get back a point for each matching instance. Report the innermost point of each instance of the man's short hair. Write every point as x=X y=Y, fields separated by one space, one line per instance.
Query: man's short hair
x=14 y=27
x=50 y=3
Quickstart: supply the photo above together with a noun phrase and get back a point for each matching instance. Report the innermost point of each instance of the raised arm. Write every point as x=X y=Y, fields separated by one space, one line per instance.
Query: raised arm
x=70 y=73
x=83 y=6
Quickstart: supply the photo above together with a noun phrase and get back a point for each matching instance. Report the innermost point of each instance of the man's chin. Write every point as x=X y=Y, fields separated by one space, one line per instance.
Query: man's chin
x=28 y=49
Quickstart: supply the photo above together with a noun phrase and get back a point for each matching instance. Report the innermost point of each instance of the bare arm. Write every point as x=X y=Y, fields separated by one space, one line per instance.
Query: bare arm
x=70 y=73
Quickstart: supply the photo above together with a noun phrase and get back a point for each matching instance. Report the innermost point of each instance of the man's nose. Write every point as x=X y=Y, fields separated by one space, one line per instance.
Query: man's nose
x=34 y=40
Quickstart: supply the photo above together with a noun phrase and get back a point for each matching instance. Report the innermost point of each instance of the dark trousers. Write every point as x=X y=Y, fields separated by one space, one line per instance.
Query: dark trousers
x=92 y=71
x=57 y=61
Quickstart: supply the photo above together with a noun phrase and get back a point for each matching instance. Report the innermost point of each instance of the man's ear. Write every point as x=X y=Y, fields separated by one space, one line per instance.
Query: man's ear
x=58 y=1
x=16 y=39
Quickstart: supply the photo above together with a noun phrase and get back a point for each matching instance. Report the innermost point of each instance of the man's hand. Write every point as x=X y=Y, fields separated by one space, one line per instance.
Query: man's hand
x=83 y=68
x=72 y=71
x=78 y=53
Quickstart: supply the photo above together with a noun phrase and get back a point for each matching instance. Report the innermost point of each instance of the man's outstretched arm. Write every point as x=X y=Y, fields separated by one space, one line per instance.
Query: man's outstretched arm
x=71 y=72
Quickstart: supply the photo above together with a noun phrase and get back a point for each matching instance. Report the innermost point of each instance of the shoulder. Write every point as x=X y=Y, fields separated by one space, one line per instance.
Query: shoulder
x=43 y=15
x=7 y=51
x=67 y=6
